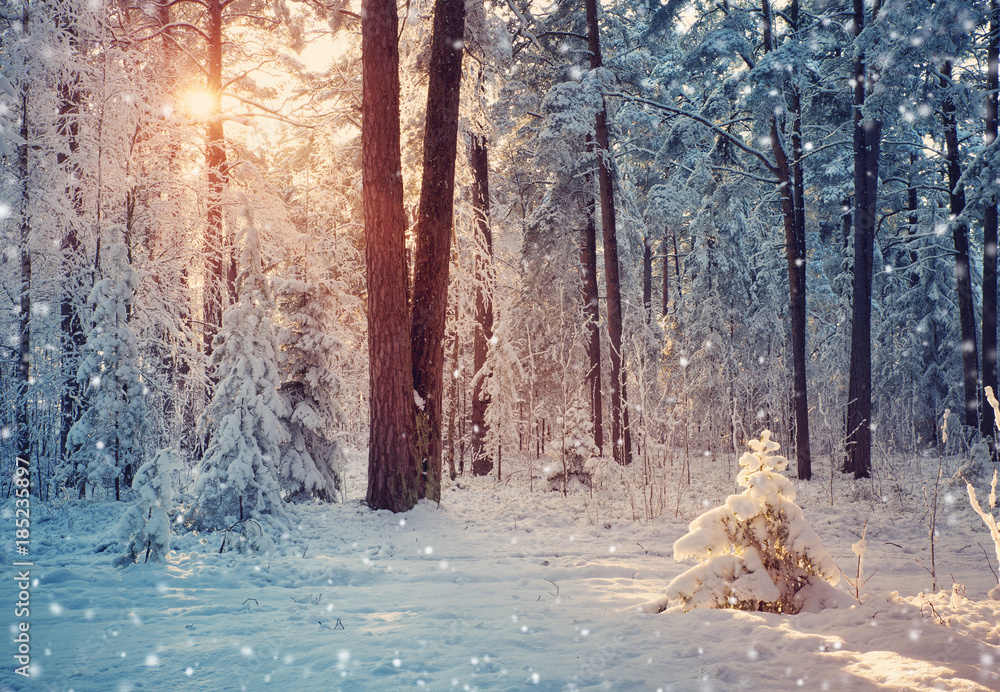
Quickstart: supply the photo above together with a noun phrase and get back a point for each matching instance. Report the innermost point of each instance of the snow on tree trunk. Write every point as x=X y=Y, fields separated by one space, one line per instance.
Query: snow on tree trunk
x=756 y=551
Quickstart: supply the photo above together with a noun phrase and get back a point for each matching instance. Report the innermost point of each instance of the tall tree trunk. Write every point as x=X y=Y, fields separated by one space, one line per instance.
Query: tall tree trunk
x=72 y=250
x=792 y=189
x=592 y=312
x=803 y=450
x=220 y=279
x=867 y=145
x=453 y=401
x=647 y=279
x=912 y=219
x=665 y=294
x=24 y=434
x=621 y=434
x=963 y=267
x=987 y=424
x=393 y=480
x=479 y=162
x=433 y=232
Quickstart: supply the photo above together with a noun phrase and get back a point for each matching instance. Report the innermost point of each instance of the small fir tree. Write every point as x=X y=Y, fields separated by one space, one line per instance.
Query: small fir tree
x=502 y=377
x=756 y=551
x=145 y=527
x=578 y=448
x=312 y=459
x=238 y=478
x=106 y=441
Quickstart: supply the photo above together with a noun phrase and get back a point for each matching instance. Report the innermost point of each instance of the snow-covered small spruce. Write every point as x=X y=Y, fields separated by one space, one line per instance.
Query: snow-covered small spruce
x=312 y=459
x=106 y=441
x=756 y=551
x=578 y=448
x=145 y=528
x=238 y=478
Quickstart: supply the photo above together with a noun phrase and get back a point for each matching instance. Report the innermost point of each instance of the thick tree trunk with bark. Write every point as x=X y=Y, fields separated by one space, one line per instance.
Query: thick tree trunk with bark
x=433 y=232
x=592 y=311
x=792 y=190
x=963 y=267
x=795 y=256
x=393 y=481
x=220 y=267
x=987 y=423
x=479 y=162
x=867 y=145
x=621 y=434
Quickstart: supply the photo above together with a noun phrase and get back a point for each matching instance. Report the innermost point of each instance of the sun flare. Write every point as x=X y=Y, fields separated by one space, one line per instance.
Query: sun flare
x=200 y=103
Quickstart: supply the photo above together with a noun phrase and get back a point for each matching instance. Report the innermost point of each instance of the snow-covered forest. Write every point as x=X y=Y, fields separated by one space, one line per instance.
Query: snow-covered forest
x=348 y=343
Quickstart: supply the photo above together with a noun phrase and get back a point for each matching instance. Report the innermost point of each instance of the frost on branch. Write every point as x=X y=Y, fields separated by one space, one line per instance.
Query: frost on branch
x=756 y=551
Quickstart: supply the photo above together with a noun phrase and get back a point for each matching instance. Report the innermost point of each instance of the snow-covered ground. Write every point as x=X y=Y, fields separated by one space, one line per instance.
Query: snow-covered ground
x=500 y=588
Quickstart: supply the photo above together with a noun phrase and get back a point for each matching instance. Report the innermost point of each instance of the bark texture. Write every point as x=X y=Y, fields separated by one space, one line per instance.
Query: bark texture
x=867 y=145
x=792 y=190
x=621 y=434
x=987 y=423
x=479 y=162
x=434 y=231
x=963 y=266
x=592 y=310
x=393 y=481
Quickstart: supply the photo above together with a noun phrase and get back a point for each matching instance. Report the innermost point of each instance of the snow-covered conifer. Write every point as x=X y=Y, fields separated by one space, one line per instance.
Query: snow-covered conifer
x=311 y=459
x=145 y=527
x=756 y=551
x=503 y=374
x=106 y=441
x=577 y=433
x=238 y=477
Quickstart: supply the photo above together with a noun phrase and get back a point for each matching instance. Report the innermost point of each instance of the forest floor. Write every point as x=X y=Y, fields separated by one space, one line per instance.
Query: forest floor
x=505 y=588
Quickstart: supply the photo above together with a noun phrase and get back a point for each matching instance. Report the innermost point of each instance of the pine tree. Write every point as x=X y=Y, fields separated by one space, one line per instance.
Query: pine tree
x=312 y=458
x=145 y=527
x=756 y=551
x=238 y=476
x=107 y=440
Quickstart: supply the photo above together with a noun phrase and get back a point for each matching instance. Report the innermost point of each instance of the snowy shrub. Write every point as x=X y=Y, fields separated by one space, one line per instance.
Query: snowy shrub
x=756 y=551
x=977 y=469
x=605 y=472
x=145 y=527
x=247 y=537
